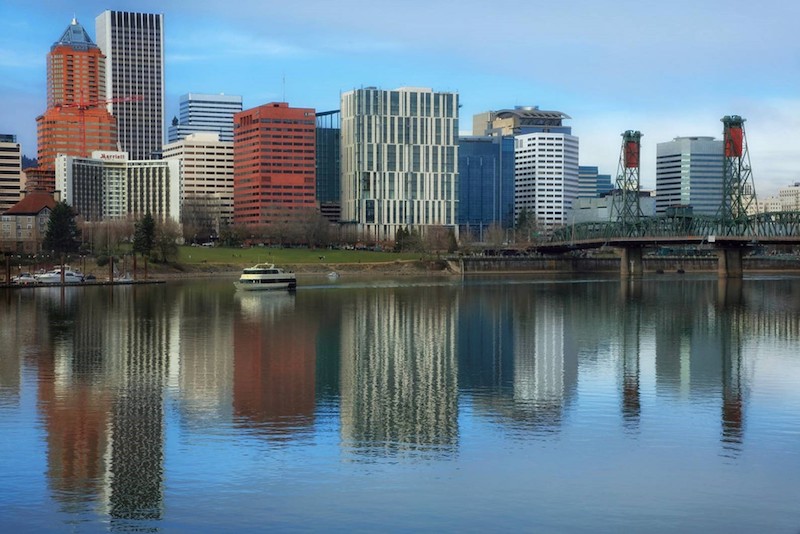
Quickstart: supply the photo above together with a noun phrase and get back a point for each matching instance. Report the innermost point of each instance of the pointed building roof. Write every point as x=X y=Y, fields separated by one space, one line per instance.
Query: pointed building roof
x=32 y=204
x=76 y=37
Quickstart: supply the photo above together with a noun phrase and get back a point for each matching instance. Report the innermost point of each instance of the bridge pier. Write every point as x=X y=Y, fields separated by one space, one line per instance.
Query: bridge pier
x=729 y=262
x=630 y=264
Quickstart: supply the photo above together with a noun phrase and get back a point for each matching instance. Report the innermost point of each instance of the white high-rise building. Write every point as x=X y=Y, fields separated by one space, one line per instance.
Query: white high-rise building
x=689 y=174
x=546 y=177
x=110 y=186
x=133 y=44
x=207 y=178
x=205 y=113
x=10 y=171
x=399 y=160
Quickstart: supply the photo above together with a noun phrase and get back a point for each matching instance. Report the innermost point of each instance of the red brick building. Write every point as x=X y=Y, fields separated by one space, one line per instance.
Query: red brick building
x=273 y=164
x=76 y=121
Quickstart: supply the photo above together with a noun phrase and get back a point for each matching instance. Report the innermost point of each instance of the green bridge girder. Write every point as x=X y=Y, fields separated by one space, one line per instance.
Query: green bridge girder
x=776 y=224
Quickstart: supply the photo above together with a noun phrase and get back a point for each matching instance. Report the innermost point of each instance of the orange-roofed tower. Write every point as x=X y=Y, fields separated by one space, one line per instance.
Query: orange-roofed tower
x=76 y=121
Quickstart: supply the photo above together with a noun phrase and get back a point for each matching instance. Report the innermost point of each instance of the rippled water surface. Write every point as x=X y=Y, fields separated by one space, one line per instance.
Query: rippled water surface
x=667 y=405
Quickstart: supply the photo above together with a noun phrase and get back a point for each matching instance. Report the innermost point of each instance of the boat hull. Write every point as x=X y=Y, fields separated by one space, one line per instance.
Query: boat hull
x=266 y=285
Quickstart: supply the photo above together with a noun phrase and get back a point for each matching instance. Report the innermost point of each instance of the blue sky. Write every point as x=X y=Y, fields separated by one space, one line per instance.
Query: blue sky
x=666 y=69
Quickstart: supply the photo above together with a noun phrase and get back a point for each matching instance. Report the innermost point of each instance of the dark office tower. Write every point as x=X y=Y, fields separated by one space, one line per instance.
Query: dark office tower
x=133 y=44
x=328 y=169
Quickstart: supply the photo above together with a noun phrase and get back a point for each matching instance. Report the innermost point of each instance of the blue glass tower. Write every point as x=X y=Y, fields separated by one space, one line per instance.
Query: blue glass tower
x=591 y=184
x=486 y=182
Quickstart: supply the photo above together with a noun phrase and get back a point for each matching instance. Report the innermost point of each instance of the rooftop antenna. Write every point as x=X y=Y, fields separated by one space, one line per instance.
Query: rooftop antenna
x=284 y=88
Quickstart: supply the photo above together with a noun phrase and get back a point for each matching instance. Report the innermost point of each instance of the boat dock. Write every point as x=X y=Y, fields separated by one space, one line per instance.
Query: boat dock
x=85 y=283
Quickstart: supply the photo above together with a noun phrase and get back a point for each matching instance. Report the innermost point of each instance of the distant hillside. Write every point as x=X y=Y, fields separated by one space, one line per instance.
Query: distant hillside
x=28 y=162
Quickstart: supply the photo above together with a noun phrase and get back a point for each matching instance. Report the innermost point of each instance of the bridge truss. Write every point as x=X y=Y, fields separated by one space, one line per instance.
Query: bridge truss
x=755 y=227
x=626 y=208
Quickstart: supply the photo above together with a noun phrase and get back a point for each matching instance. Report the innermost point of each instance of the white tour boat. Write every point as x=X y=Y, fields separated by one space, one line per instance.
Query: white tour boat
x=265 y=276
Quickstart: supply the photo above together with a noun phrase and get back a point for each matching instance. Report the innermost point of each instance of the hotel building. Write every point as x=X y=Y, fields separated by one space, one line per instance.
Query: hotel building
x=110 y=186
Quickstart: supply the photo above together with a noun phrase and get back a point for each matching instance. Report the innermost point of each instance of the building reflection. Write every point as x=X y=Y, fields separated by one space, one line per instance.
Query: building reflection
x=699 y=351
x=629 y=332
x=102 y=365
x=399 y=389
x=204 y=382
x=274 y=364
x=73 y=398
x=519 y=356
x=140 y=354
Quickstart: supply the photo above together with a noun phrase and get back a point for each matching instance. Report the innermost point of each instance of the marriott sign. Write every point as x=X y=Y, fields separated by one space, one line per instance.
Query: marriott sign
x=110 y=156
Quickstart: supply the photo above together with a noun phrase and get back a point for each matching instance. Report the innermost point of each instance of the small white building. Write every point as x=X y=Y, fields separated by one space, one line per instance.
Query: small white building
x=790 y=197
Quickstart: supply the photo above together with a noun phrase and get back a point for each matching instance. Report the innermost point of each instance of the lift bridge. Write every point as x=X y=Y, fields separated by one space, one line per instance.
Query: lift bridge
x=731 y=231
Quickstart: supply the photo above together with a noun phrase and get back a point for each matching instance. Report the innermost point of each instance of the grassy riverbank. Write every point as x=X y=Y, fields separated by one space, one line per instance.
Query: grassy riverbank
x=205 y=261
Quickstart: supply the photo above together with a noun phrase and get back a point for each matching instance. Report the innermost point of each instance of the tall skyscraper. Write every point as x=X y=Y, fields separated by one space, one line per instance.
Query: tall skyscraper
x=205 y=113
x=485 y=182
x=546 y=158
x=399 y=160
x=76 y=121
x=133 y=44
x=689 y=173
x=273 y=163
x=10 y=171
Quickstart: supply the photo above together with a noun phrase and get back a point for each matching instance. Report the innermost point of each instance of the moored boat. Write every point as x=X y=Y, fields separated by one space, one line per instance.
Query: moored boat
x=265 y=277
x=54 y=276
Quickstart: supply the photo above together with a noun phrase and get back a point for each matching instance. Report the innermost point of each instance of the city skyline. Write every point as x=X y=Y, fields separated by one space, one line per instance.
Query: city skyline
x=667 y=71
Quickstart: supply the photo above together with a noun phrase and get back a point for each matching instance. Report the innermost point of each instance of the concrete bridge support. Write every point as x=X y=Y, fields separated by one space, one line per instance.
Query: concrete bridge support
x=729 y=262
x=630 y=264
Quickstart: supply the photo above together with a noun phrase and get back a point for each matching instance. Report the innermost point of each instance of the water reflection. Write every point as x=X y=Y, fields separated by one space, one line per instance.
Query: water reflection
x=399 y=390
x=274 y=354
x=396 y=371
x=629 y=332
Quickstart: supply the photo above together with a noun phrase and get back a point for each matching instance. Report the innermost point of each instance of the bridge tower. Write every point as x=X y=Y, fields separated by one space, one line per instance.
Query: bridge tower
x=738 y=191
x=626 y=197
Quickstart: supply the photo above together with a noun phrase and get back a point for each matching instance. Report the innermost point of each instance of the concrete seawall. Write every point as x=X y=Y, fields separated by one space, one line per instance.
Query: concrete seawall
x=568 y=264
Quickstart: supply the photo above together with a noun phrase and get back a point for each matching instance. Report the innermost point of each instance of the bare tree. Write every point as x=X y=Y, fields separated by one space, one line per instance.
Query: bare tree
x=315 y=229
x=200 y=217
x=168 y=233
x=440 y=239
x=495 y=235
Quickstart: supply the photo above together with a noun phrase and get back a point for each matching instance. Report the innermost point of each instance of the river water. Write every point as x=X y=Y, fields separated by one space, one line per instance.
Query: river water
x=516 y=404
